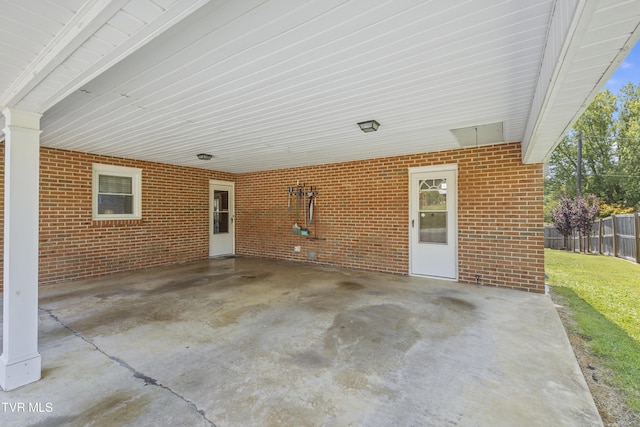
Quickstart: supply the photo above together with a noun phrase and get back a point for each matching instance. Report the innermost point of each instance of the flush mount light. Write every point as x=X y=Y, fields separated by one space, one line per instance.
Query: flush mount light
x=204 y=156
x=369 y=126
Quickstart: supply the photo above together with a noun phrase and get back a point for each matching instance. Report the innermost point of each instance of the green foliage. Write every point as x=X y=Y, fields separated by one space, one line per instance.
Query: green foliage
x=610 y=129
x=628 y=127
x=551 y=203
x=606 y=210
x=606 y=305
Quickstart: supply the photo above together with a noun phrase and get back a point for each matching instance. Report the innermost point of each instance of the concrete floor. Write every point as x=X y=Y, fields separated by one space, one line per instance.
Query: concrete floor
x=252 y=342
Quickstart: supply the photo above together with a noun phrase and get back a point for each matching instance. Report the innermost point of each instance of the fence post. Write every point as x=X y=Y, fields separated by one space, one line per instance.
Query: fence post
x=614 y=227
x=588 y=247
x=601 y=237
x=636 y=233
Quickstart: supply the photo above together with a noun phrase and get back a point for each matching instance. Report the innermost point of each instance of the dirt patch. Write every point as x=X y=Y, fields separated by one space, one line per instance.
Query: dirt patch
x=609 y=401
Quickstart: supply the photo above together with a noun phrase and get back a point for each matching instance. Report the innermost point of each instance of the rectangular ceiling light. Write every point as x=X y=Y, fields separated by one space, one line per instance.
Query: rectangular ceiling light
x=369 y=126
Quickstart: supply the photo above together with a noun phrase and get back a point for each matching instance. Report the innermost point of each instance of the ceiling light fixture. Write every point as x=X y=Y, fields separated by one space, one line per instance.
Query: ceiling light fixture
x=369 y=126
x=204 y=156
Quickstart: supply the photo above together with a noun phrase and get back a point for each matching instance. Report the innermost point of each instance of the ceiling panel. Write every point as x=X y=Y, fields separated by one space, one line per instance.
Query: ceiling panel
x=265 y=84
x=24 y=32
x=275 y=79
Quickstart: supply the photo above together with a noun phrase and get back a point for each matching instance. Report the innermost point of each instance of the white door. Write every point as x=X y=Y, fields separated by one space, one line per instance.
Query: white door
x=433 y=222
x=221 y=214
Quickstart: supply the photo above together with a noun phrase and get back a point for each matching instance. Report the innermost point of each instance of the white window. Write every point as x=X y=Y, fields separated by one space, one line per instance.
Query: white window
x=117 y=192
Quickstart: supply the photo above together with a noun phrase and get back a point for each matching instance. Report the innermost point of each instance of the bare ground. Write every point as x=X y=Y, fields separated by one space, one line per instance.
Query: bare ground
x=609 y=401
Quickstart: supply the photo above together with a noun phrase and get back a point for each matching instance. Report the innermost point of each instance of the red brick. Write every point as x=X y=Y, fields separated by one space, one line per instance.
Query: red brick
x=361 y=216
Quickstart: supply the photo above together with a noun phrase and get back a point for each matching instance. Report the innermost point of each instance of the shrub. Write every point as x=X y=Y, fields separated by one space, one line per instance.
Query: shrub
x=585 y=211
x=562 y=217
x=575 y=214
x=606 y=210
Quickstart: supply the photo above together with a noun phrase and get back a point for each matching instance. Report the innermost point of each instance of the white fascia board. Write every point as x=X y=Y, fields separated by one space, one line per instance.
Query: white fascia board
x=620 y=57
x=91 y=16
x=547 y=86
x=173 y=15
x=541 y=136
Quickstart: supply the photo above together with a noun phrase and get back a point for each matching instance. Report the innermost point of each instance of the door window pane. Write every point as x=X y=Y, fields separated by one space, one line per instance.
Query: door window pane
x=433 y=227
x=432 y=211
x=433 y=194
x=220 y=212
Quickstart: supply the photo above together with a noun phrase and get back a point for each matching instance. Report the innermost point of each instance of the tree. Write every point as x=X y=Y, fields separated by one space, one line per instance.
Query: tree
x=584 y=212
x=562 y=218
x=628 y=140
x=575 y=214
x=610 y=128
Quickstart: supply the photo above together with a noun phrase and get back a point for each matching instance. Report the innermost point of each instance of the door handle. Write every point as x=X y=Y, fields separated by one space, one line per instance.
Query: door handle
x=412 y=223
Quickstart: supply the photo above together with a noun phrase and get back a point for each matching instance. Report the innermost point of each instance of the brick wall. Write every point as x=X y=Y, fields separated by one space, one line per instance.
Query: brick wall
x=174 y=228
x=361 y=215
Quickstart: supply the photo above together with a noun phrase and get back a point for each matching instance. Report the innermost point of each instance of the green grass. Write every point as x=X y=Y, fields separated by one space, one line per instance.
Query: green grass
x=610 y=285
x=617 y=350
x=603 y=295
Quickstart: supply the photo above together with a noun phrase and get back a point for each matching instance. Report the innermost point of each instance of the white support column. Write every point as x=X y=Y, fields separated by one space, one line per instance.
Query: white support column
x=20 y=360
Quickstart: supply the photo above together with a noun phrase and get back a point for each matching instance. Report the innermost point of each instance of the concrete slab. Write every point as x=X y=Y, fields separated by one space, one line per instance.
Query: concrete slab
x=248 y=342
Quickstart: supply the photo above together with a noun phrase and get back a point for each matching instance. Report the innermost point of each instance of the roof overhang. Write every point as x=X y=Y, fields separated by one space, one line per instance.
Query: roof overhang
x=587 y=41
x=264 y=85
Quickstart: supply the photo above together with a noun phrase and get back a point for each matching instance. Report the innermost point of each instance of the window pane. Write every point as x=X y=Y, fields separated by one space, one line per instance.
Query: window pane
x=115 y=184
x=115 y=204
x=432 y=201
x=221 y=198
x=433 y=227
x=220 y=222
x=433 y=195
x=220 y=212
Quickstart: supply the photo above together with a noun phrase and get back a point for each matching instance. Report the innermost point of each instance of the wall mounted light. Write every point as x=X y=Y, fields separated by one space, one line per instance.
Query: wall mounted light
x=369 y=126
x=204 y=156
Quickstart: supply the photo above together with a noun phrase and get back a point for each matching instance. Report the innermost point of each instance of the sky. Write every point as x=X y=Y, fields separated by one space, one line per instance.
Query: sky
x=628 y=71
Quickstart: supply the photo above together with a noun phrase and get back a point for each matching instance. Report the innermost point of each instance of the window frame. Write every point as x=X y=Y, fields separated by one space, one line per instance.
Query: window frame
x=136 y=187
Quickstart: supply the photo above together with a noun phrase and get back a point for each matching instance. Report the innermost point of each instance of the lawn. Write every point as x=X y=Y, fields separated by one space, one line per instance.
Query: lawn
x=603 y=294
x=610 y=285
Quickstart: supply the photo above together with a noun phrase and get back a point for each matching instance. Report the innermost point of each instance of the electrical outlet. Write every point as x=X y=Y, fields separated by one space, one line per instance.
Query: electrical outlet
x=297 y=249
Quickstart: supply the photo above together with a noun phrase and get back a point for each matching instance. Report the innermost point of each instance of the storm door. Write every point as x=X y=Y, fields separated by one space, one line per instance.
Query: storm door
x=221 y=216
x=433 y=222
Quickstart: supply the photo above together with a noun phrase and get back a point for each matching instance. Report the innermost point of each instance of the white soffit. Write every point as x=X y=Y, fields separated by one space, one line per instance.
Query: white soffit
x=63 y=45
x=269 y=84
x=277 y=84
x=471 y=136
x=588 y=40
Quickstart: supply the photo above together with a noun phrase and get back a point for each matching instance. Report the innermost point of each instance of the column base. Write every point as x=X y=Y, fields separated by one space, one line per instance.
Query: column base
x=17 y=374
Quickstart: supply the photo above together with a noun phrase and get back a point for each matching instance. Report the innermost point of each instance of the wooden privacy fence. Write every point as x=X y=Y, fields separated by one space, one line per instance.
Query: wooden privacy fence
x=617 y=235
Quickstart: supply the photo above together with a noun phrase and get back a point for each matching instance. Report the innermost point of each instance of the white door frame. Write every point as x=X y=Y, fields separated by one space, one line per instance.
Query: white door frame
x=433 y=169
x=213 y=184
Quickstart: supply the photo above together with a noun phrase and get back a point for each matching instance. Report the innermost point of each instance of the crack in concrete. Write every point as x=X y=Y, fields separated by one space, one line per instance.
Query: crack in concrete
x=136 y=374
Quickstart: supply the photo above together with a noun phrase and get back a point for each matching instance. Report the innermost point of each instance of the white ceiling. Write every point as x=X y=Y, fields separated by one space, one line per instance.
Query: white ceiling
x=273 y=84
